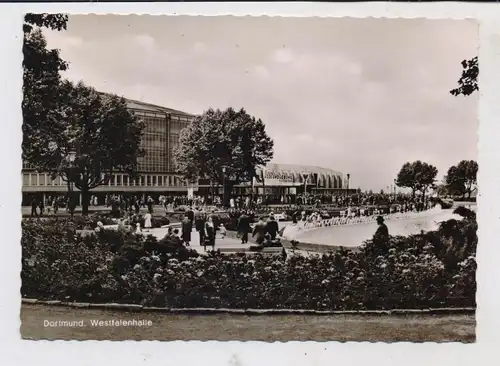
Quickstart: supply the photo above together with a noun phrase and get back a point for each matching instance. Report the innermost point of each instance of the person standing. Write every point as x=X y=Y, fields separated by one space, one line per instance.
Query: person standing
x=150 y=203
x=222 y=230
x=272 y=227
x=187 y=228
x=209 y=234
x=71 y=206
x=381 y=236
x=199 y=224
x=42 y=206
x=243 y=227
x=34 y=207
x=147 y=221
x=259 y=231
x=55 y=205
x=137 y=206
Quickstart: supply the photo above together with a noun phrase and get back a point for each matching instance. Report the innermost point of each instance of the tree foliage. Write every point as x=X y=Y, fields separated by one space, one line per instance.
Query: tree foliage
x=100 y=132
x=228 y=139
x=468 y=84
x=418 y=176
x=72 y=130
x=461 y=179
x=41 y=80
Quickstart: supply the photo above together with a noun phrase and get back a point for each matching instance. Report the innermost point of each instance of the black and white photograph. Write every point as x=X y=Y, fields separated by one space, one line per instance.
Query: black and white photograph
x=249 y=178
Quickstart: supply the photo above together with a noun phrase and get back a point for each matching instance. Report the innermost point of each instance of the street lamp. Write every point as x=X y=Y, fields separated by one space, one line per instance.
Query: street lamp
x=348 y=177
x=305 y=176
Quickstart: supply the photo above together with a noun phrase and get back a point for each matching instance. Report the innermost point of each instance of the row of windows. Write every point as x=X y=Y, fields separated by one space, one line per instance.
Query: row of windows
x=149 y=180
x=157 y=143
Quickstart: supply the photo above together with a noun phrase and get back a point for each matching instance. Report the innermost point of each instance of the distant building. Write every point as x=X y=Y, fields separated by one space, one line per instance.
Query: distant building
x=288 y=179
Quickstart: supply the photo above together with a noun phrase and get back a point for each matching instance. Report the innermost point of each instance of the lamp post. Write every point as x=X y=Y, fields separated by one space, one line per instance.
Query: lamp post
x=348 y=178
x=224 y=186
x=305 y=176
x=395 y=187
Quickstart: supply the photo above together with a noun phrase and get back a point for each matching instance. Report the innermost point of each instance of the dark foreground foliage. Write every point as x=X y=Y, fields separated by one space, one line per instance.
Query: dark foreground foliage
x=434 y=269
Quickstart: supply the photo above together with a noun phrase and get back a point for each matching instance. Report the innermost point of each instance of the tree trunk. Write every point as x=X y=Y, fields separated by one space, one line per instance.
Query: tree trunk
x=85 y=200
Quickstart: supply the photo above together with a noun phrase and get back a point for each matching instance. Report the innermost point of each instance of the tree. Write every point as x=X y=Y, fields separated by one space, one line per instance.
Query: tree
x=224 y=147
x=418 y=176
x=98 y=136
x=442 y=190
x=467 y=84
x=461 y=179
x=41 y=80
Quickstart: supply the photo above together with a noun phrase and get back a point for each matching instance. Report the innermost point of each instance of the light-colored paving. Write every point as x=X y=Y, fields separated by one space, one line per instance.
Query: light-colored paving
x=354 y=235
x=224 y=244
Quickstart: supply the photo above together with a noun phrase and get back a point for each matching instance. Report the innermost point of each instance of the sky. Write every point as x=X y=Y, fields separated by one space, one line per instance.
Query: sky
x=361 y=96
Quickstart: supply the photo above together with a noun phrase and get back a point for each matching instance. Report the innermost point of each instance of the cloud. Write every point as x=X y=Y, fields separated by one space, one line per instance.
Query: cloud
x=261 y=71
x=282 y=56
x=144 y=40
x=304 y=137
x=355 y=68
x=199 y=47
x=364 y=102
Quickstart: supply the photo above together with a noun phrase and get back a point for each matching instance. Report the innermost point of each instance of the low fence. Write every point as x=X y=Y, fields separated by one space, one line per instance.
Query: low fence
x=362 y=219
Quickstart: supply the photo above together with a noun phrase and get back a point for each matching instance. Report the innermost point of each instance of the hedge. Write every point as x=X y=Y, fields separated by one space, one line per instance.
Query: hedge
x=429 y=270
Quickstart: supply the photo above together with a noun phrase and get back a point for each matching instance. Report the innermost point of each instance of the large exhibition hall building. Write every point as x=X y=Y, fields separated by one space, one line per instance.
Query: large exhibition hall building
x=157 y=175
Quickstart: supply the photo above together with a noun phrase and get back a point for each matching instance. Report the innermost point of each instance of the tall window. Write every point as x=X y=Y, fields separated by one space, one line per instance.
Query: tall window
x=154 y=142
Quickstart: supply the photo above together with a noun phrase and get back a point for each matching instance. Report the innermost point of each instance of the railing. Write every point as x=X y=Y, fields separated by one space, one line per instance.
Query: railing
x=344 y=219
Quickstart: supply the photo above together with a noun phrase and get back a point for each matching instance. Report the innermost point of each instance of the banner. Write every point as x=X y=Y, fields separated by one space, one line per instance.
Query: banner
x=190 y=193
x=292 y=190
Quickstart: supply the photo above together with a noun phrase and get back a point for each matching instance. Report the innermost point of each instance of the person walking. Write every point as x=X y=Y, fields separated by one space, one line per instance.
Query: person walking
x=243 y=227
x=209 y=234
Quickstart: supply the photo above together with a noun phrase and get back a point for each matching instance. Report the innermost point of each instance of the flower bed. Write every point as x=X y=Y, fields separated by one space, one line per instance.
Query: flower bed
x=434 y=269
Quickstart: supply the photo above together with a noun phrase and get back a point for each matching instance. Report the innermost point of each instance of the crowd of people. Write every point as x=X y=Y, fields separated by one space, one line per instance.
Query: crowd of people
x=51 y=205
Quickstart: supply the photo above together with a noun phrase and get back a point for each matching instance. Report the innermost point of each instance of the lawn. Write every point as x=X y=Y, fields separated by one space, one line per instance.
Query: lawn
x=269 y=328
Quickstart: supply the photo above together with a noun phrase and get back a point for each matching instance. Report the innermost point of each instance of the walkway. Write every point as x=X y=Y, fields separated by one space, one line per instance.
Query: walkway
x=228 y=244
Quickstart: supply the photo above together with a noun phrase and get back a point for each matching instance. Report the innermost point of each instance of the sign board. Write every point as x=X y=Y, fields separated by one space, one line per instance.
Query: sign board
x=279 y=179
x=292 y=190
x=190 y=193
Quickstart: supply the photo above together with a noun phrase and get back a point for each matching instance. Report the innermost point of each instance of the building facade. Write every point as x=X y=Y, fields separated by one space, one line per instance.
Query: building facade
x=279 y=180
x=156 y=168
x=157 y=174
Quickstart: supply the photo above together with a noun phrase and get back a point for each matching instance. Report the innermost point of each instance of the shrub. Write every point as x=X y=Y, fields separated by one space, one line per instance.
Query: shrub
x=413 y=272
